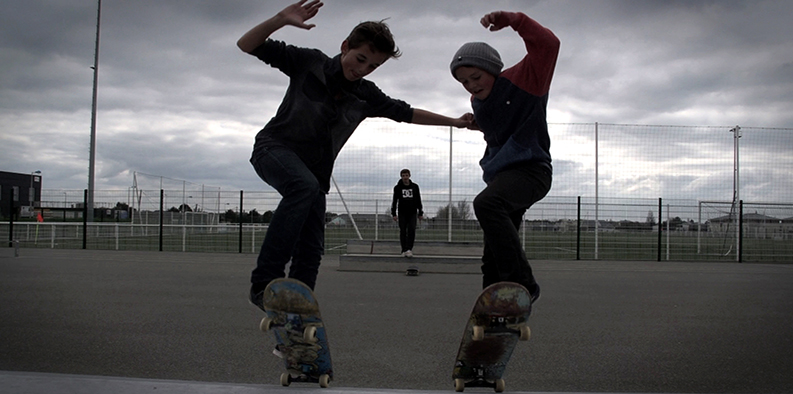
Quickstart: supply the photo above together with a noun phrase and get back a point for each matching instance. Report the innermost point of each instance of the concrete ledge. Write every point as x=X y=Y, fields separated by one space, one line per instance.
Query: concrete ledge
x=428 y=256
x=397 y=263
x=424 y=248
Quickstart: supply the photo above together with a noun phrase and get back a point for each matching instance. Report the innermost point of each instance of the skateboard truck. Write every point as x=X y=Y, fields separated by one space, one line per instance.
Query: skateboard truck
x=287 y=379
x=497 y=385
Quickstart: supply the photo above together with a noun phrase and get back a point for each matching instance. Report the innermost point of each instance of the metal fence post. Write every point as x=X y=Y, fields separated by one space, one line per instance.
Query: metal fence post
x=162 y=215
x=10 y=217
x=85 y=218
x=578 y=232
x=660 y=227
x=740 y=231
x=241 y=215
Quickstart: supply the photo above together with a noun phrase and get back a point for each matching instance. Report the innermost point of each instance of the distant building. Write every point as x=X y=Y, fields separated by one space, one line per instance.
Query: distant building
x=755 y=225
x=20 y=193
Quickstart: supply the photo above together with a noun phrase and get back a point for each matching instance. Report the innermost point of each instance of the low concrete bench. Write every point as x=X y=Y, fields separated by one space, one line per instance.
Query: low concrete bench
x=428 y=256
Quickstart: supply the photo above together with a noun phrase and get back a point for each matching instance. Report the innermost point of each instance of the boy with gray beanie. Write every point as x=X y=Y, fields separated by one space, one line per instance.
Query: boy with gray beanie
x=510 y=110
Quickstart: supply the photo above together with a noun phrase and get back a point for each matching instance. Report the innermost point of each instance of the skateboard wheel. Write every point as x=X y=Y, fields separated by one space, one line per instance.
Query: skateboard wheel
x=525 y=333
x=285 y=379
x=324 y=380
x=459 y=385
x=478 y=333
x=500 y=385
x=310 y=334
x=266 y=324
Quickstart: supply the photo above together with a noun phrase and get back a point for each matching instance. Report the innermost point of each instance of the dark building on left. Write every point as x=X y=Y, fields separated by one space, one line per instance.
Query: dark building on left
x=19 y=193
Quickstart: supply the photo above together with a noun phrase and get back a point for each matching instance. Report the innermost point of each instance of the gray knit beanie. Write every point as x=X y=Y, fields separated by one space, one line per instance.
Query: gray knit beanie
x=477 y=54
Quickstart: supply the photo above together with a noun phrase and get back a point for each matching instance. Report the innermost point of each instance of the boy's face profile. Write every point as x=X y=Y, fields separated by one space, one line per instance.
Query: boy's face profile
x=405 y=177
x=360 y=62
x=476 y=81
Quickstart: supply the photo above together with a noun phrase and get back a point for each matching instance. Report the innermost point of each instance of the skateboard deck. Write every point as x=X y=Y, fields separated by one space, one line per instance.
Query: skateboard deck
x=498 y=320
x=294 y=319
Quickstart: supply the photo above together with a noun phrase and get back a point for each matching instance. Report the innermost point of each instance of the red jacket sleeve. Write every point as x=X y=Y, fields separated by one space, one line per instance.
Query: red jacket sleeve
x=535 y=71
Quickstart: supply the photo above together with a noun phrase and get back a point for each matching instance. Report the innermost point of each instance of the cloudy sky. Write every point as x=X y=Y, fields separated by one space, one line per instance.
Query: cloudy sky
x=178 y=99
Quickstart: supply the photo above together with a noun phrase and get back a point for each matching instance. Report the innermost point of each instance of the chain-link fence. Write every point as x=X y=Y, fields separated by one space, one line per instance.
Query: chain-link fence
x=627 y=192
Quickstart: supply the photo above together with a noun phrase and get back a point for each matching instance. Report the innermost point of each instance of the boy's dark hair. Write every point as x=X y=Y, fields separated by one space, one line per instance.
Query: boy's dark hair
x=404 y=171
x=377 y=35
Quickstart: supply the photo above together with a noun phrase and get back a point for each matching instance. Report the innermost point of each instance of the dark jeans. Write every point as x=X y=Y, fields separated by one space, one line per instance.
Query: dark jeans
x=297 y=229
x=407 y=230
x=499 y=209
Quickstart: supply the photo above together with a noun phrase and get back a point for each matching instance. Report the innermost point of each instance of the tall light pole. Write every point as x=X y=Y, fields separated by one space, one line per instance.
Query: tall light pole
x=92 y=151
x=736 y=189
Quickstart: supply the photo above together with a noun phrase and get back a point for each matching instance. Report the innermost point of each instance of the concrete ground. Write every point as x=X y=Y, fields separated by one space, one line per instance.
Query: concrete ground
x=105 y=321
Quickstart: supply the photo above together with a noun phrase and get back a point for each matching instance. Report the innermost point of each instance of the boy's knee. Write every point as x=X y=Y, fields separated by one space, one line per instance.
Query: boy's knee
x=483 y=202
x=305 y=187
x=478 y=200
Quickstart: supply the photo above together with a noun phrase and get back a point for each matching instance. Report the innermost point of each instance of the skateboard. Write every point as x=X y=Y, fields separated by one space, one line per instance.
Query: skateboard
x=498 y=320
x=293 y=317
x=413 y=270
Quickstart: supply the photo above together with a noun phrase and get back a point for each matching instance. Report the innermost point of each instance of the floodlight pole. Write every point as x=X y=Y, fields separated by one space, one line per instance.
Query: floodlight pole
x=89 y=201
x=597 y=196
x=736 y=189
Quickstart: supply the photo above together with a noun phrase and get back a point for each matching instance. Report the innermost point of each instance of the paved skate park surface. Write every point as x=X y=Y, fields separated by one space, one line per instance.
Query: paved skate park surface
x=75 y=321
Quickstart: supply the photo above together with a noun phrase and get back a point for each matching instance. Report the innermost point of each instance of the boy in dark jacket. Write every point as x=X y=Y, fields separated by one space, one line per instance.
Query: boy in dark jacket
x=510 y=110
x=326 y=99
x=407 y=197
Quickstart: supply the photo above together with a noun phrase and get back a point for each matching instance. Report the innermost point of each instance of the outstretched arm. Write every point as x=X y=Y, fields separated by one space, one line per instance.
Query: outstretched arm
x=295 y=15
x=535 y=71
x=428 y=118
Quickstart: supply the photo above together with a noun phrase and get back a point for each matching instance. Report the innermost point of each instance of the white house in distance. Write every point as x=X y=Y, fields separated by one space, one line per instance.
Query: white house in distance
x=755 y=225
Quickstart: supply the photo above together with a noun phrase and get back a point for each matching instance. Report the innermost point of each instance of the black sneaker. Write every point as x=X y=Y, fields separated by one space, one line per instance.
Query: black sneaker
x=535 y=293
x=256 y=296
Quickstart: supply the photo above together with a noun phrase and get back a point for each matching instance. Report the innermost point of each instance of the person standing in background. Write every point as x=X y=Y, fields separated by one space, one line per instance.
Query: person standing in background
x=407 y=201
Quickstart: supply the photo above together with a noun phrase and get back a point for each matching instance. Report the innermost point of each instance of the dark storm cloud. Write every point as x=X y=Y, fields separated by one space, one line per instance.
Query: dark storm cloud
x=175 y=90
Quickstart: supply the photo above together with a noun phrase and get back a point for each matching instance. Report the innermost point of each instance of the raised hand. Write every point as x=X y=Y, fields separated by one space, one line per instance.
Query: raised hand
x=494 y=21
x=297 y=14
